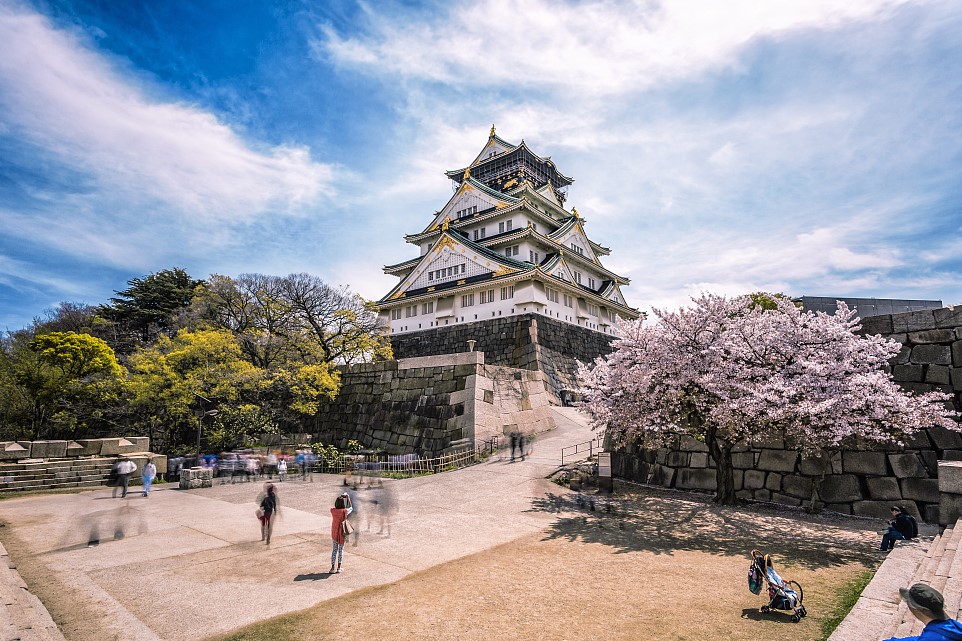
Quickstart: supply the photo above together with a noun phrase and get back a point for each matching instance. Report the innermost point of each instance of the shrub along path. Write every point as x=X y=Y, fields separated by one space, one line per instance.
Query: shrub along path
x=491 y=549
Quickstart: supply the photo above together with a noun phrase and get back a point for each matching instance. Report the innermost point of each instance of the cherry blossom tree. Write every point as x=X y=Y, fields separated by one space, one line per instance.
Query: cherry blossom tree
x=732 y=370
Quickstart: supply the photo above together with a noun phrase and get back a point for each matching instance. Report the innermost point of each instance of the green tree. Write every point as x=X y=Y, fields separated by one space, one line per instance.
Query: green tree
x=71 y=383
x=149 y=306
x=167 y=377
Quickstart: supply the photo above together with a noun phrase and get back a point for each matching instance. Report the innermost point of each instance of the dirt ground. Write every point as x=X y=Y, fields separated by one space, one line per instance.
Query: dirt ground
x=646 y=565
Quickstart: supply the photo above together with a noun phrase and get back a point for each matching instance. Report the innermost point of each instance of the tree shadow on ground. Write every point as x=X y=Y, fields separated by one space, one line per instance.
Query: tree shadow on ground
x=662 y=522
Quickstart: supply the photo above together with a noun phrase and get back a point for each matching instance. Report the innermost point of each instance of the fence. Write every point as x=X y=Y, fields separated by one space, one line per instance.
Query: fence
x=403 y=464
x=572 y=452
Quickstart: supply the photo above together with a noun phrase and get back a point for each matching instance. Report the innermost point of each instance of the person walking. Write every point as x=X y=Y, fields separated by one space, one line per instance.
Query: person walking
x=125 y=467
x=269 y=508
x=148 y=474
x=339 y=513
x=281 y=469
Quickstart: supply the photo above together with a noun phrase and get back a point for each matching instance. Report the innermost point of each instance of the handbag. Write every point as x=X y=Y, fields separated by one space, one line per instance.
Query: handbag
x=346 y=528
x=259 y=513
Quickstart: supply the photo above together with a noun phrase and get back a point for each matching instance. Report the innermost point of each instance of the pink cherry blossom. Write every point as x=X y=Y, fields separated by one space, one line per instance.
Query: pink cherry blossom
x=727 y=371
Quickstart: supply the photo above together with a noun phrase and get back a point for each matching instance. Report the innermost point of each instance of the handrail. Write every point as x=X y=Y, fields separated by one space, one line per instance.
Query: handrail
x=592 y=445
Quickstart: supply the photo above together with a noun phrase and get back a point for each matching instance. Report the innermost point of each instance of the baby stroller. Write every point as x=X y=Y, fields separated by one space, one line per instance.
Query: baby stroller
x=783 y=595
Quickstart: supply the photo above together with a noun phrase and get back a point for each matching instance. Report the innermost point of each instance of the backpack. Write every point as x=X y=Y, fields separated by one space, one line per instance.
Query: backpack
x=754 y=579
x=915 y=527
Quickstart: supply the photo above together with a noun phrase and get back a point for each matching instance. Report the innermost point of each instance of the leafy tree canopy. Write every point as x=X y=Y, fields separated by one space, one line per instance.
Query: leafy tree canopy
x=150 y=304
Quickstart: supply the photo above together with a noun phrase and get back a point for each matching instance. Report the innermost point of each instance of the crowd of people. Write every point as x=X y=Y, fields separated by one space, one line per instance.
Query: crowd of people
x=250 y=466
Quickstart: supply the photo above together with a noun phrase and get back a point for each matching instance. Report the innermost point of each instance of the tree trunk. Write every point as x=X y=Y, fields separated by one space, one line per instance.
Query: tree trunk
x=721 y=453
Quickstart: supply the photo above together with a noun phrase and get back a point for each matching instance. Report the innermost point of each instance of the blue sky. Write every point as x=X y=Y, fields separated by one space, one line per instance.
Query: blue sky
x=803 y=147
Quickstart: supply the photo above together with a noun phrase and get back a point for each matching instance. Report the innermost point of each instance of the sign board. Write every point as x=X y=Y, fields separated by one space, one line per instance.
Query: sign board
x=604 y=464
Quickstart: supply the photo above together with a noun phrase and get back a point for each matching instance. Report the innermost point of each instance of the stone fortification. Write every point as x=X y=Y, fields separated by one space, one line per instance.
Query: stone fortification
x=852 y=482
x=432 y=404
x=528 y=341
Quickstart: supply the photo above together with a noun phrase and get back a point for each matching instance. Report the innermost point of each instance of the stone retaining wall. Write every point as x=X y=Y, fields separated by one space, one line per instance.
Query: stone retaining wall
x=16 y=450
x=526 y=341
x=432 y=404
x=865 y=482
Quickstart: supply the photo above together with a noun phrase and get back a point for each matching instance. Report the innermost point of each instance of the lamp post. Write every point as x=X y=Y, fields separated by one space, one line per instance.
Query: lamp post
x=200 y=420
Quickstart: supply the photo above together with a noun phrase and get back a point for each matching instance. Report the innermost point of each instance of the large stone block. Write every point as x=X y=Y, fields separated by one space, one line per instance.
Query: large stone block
x=662 y=475
x=798 y=486
x=783 y=499
x=196 y=477
x=678 y=459
x=698 y=459
x=932 y=354
x=773 y=482
x=945 y=439
x=13 y=451
x=115 y=446
x=948 y=316
x=950 y=477
x=955 y=377
x=777 y=460
x=926 y=490
x=690 y=444
x=907 y=465
x=754 y=479
x=743 y=460
x=815 y=465
x=957 y=353
x=865 y=463
x=877 y=325
x=913 y=321
x=882 y=509
x=883 y=488
x=840 y=488
x=840 y=508
x=909 y=373
x=48 y=449
x=903 y=356
x=950 y=508
x=689 y=479
x=937 y=374
x=931 y=336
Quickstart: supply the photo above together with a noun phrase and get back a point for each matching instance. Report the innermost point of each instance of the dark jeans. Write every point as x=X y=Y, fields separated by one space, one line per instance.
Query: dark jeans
x=123 y=480
x=890 y=537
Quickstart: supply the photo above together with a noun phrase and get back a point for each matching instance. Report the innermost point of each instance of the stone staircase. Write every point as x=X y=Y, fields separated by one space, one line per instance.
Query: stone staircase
x=880 y=613
x=22 y=616
x=29 y=475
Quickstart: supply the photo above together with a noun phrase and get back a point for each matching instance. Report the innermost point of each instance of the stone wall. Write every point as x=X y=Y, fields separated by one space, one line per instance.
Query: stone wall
x=17 y=450
x=527 y=341
x=432 y=404
x=863 y=482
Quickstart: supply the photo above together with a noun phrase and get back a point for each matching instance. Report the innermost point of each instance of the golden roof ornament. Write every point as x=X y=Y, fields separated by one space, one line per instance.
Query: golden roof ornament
x=446 y=223
x=491 y=135
x=467 y=173
x=574 y=212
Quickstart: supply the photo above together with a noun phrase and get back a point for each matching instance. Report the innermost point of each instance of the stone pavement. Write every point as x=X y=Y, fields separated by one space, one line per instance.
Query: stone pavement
x=186 y=564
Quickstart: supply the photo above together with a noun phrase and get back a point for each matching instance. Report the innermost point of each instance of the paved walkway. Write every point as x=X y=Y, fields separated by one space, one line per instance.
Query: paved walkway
x=183 y=565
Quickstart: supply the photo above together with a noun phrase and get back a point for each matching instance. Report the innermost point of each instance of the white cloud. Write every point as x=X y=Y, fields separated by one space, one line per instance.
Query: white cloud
x=90 y=113
x=599 y=47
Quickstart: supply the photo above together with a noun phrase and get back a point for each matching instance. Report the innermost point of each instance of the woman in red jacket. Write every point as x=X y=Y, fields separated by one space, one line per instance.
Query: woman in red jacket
x=339 y=513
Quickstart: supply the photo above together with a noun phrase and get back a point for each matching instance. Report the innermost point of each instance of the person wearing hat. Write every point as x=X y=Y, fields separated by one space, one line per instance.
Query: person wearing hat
x=928 y=606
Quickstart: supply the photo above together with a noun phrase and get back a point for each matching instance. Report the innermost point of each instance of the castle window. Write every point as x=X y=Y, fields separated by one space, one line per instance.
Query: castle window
x=430 y=275
x=396 y=314
x=577 y=277
x=591 y=283
x=533 y=257
x=578 y=249
x=427 y=308
x=507 y=292
x=508 y=225
x=467 y=300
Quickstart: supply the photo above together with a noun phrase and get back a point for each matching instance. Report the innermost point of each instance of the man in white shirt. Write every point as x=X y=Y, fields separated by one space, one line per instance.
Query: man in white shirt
x=125 y=467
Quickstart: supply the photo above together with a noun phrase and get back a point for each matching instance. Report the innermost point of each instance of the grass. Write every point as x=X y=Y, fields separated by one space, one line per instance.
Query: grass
x=848 y=595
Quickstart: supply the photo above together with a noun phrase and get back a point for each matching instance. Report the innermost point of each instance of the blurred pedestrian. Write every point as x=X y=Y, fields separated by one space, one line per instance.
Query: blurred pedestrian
x=267 y=512
x=340 y=528
x=281 y=469
x=147 y=475
x=125 y=467
x=514 y=443
x=521 y=444
x=385 y=506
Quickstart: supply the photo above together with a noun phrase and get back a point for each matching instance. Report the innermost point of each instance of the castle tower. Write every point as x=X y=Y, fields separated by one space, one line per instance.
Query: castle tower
x=504 y=248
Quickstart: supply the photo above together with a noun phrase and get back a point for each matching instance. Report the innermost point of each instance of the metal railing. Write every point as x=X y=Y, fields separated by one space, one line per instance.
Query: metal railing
x=578 y=451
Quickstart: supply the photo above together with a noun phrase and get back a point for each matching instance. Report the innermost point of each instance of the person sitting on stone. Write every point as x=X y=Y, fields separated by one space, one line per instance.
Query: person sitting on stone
x=901 y=527
x=928 y=606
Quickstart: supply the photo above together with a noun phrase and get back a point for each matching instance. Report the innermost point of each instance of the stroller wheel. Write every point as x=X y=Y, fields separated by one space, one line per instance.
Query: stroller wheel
x=764 y=608
x=796 y=618
x=802 y=611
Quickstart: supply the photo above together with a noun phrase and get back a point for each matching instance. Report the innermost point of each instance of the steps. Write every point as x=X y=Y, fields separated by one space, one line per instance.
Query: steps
x=22 y=616
x=880 y=612
x=55 y=474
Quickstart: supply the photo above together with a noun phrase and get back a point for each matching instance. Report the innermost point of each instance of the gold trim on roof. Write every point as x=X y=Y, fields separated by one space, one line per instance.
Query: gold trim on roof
x=503 y=271
x=491 y=134
x=574 y=212
x=444 y=242
x=396 y=296
x=467 y=173
x=446 y=223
